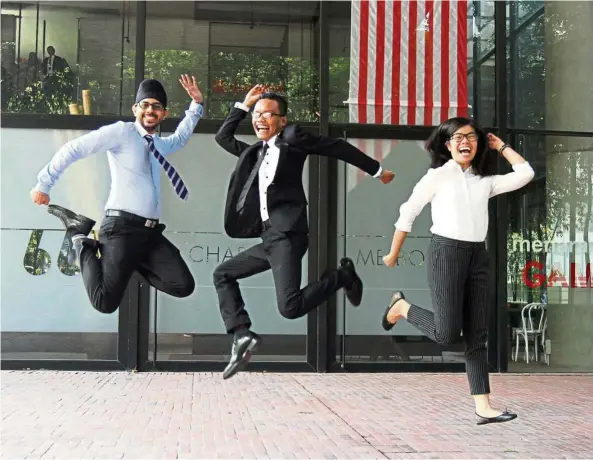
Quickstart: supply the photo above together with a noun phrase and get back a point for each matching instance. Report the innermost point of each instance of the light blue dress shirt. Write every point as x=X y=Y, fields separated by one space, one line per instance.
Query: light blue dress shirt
x=135 y=172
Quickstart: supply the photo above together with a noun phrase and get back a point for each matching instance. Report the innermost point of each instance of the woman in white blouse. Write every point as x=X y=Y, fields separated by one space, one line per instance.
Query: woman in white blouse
x=458 y=186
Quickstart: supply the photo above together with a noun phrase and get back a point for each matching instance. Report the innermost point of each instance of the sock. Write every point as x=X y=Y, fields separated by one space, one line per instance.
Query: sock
x=78 y=237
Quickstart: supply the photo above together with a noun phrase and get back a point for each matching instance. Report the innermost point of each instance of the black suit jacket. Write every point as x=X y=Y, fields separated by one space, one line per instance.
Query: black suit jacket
x=287 y=204
x=60 y=64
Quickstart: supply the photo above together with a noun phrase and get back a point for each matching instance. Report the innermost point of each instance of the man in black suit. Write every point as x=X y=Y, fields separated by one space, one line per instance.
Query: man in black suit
x=57 y=75
x=54 y=64
x=266 y=199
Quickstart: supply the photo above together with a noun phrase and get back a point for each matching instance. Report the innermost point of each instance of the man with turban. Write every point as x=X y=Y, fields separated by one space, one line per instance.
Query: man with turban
x=131 y=236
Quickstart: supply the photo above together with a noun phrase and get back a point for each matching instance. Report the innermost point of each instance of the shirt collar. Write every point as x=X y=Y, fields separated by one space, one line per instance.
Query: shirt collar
x=453 y=165
x=271 y=142
x=142 y=131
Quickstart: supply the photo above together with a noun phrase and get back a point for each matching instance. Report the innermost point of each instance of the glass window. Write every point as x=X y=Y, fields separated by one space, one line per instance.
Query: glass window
x=46 y=313
x=525 y=61
x=231 y=46
x=192 y=328
x=68 y=58
x=481 y=62
x=364 y=234
x=549 y=256
x=415 y=86
x=339 y=60
x=550 y=70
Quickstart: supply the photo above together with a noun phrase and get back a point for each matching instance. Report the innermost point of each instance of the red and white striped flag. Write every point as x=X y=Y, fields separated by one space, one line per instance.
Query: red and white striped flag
x=378 y=149
x=408 y=61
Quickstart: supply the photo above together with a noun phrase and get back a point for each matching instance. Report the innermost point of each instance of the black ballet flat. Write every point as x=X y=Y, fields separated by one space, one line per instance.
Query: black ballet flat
x=397 y=295
x=506 y=416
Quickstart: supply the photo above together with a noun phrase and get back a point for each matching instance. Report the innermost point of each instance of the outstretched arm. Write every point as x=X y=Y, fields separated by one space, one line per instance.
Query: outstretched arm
x=193 y=115
x=100 y=140
x=225 y=137
x=336 y=148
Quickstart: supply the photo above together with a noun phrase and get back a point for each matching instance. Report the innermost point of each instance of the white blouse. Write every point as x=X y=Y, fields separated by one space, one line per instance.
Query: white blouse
x=459 y=199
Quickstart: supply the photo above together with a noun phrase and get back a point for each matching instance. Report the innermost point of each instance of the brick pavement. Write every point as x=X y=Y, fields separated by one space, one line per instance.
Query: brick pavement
x=80 y=415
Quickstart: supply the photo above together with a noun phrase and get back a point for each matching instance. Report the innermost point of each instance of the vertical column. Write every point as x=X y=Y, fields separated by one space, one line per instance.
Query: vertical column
x=497 y=209
x=140 y=41
x=569 y=106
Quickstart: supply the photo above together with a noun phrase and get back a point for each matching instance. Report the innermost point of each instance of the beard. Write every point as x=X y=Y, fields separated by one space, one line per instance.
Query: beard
x=151 y=127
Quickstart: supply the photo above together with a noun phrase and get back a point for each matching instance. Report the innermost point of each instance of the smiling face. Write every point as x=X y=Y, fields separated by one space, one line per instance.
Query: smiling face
x=267 y=119
x=463 y=145
x=149 y=113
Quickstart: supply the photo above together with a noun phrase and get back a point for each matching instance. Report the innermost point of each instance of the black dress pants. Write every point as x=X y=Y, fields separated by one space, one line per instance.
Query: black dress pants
x=283 y=254
x=125 y=246
x=458 y=282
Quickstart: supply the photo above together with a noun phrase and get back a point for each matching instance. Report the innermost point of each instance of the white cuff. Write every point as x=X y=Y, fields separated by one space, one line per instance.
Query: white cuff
x=403 y=227
x=240 y=105
x=378 y=174
x=42 y=188
x=197 y=108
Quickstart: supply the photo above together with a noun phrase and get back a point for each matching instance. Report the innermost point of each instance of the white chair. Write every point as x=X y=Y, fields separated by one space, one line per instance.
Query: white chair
x=533 y=324
x=543 y=342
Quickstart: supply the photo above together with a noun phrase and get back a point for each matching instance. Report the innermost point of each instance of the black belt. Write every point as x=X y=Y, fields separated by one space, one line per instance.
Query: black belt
x=151 y=223
x=265 y=225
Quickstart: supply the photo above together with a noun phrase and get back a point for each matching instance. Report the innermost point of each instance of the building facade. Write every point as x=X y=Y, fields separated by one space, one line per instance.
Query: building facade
x=521 y=70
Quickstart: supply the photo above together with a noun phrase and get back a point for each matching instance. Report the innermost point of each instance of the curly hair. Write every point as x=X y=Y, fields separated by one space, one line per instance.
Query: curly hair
x=440 y=154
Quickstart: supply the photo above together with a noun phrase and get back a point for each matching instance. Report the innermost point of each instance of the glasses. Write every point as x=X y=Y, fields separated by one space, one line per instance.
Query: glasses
x=458 y=137
x=155 y=106
x=265 y=115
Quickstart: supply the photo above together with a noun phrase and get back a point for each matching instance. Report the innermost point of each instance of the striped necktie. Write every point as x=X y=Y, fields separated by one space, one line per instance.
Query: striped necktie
x=174 y=177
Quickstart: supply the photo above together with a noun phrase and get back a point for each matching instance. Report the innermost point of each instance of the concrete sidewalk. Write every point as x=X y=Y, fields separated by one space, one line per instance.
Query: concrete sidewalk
x=48 y=414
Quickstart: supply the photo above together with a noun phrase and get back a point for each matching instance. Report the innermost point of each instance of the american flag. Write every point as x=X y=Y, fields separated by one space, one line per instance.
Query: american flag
x=375 y=148
x=408 y=61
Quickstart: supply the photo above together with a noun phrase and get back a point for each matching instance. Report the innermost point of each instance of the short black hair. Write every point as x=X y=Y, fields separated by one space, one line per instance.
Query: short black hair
x=440 y=154
x=281 y=100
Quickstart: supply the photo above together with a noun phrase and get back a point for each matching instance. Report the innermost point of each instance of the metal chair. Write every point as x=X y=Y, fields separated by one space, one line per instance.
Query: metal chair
x=543 y=341
x=533 y=325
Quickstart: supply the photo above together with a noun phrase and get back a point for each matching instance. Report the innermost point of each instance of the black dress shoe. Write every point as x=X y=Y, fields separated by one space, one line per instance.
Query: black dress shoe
x=506 y=416
x=353 y=283
x=75 y=224
x=243 y=346
x=397 y=295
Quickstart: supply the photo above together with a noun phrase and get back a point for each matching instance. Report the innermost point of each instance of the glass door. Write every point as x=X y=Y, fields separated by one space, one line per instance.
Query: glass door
x=367 y=211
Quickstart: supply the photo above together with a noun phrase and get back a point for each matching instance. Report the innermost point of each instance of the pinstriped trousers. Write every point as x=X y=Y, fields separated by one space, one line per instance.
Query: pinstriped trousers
x=458 y=282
